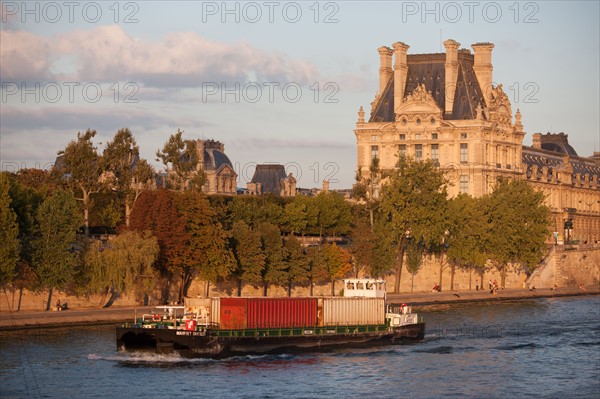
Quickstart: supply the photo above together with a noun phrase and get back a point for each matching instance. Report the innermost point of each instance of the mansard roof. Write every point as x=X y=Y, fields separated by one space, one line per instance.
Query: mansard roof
x=429 y=69
x=270 y=177
x=554 y=159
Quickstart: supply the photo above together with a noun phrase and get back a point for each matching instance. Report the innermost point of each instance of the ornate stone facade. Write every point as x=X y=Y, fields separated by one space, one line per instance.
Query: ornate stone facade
x=220 y=175
x=444 y=107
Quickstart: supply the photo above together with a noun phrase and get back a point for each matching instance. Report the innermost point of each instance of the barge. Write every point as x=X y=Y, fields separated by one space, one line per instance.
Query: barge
x=225 y=327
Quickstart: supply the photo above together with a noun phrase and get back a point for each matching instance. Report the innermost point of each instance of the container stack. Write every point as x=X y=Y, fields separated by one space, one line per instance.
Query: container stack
x=258 y=313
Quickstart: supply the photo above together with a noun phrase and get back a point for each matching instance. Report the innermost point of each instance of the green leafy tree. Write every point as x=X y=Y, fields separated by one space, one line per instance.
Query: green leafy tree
x=249 y=256
x=297 y=263
x=274 y=271
x=466 y=240
x=366 y=188
x=299 y=215
x=181 y=160
x=126 y=266
x=81 y=166
x=9 y=235
x=414 y=260
x=333 y=214
x=516 y=226
x=413 y=201
x=127 y=174
x=55 y=259
x=255 y=210
x=362 y=245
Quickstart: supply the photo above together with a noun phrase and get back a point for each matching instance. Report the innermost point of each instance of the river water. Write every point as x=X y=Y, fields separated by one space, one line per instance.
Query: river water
x=540 y=348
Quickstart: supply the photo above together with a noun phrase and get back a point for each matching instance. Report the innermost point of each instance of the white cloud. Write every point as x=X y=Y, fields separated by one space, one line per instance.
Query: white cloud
x=108 y=54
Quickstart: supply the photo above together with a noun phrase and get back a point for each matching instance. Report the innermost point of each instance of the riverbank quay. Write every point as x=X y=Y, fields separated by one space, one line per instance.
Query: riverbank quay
x=97 y=316
x=445 y=297
x=69 y=318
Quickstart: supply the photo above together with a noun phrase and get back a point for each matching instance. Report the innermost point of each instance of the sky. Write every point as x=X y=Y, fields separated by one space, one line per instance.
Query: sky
x=275 y=81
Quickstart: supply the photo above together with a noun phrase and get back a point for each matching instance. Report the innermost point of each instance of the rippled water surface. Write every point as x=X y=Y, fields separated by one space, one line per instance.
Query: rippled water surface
x=547 y=348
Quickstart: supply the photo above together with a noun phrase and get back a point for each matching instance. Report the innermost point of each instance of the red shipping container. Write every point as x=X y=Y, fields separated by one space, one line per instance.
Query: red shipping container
x=233 y=313
x=281 y=312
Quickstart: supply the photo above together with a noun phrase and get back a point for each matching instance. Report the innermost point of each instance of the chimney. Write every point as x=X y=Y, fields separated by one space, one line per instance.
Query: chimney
x=483 y=68
x=400 y=71
x=537 y=141
x=451 y=72
x=385 y=67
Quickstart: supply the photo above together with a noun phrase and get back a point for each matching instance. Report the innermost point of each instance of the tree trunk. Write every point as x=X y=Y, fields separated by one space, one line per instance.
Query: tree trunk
x=207 y=290
x=103 y=299
x=265 y=288
x=332 y=287
x=441 y=270
x=452 y=272
x=239 y=287
x=86 y=211
x=399 y=263
x=127 y=213
x=412 y=282
x=503 y=276
x=49 y=299
x=311 y=287
x=289 y=290
x=20 y=297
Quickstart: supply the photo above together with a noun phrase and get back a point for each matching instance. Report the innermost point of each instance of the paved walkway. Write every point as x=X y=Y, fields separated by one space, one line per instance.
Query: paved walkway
x=91 y=316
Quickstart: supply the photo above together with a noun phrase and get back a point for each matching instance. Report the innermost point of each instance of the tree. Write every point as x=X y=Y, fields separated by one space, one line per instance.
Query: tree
x=126 y=266
x=127 y=173
x=366 y=188
x=274 y=271
x=181 y=160
x=54 y=258
x=414 y=259
x=335 y=264
x=156 y=211
x=363 y=244
x=9 y=235
x=80 y=164
x=297 y=263
x=246 y=245
x=466 y=240
x=332 y=213
x=208 y=255
x=413 y=201
x=516 y=226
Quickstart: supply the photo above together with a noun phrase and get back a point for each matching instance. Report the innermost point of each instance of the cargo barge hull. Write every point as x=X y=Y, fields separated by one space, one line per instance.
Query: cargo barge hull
x=222 y=344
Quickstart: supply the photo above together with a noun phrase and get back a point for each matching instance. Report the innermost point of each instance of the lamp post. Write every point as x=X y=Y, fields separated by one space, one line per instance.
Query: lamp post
x=589 y=204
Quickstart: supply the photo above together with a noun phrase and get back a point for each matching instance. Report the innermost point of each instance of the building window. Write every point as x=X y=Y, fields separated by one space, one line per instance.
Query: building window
x=418 y=121
x=464 y=153
x=403 y=121
x=434 y=136
x=417 y=136
x=374 y=138
x=403 y=137
x=463 y=136
x=374 y=151
x=418 y=152
x=402 y=150
x=464 y=184
x=432 y=121
x=435 y=154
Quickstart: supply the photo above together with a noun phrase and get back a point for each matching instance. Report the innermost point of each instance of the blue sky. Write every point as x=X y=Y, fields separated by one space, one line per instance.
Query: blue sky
x=276 y=81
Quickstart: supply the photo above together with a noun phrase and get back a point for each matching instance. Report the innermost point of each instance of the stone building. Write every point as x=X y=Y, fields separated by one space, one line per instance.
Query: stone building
x=270 y=178
x=570 y=183
x=220 y=175
x=444 y=107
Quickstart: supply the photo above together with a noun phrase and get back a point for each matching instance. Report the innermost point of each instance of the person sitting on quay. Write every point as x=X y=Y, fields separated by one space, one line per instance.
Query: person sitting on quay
x=58 y=306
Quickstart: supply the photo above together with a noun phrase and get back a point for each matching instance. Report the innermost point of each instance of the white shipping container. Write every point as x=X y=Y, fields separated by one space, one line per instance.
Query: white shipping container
x=338 y=311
